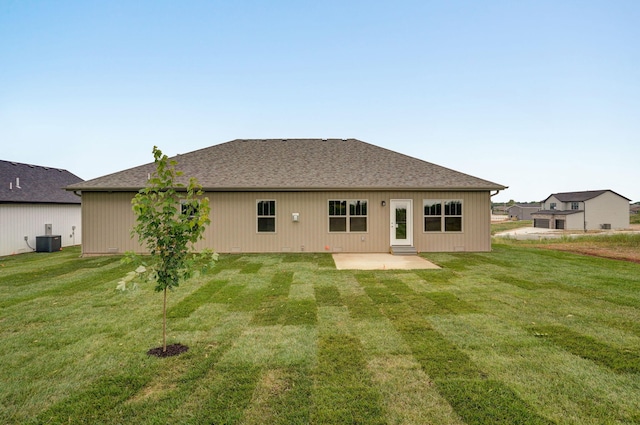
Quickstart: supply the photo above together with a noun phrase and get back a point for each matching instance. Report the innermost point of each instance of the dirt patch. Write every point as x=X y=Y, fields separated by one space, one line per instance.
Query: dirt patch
x=172 y=350
x=588 y=248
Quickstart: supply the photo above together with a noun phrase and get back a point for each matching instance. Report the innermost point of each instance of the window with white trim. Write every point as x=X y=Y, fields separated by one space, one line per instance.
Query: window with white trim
x=189 y=209
x=266 y=216
x=348 y=215
x=442 y=215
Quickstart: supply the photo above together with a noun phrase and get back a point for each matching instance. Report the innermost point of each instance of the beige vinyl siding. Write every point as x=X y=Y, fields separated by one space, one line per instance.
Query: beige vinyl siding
x=108 y=219
x=608 y=208
x=476 y=224
x=573 y=221
x=553 y=200
x=234 y=223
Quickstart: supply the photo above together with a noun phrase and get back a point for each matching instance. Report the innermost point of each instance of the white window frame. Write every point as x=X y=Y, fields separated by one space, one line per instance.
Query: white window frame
x=271 y=216
x=443 y=215
x=183 y=206
x=347 y=215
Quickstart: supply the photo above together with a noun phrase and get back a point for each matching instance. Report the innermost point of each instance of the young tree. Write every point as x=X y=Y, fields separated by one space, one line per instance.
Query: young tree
x=170 y=219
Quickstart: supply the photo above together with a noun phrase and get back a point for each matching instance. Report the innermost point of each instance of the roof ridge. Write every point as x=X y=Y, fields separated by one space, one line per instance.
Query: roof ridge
x=300 y=164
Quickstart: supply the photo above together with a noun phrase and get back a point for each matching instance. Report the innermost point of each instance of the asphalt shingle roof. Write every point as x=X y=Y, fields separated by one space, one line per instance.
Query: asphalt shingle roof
x=579 y=196
x=556 y=212
x=25 y=183
x=299 y=164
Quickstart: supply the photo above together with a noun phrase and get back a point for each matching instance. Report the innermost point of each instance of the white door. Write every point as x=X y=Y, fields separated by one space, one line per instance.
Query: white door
x=401 y=222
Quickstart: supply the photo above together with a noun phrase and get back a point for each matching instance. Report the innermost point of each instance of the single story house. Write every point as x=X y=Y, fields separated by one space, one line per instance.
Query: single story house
x=305 y=195
x=522 y=211
x=33 y=202
x=589 y=210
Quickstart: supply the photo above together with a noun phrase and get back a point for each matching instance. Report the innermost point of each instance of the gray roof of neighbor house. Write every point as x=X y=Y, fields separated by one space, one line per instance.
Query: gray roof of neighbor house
x=25 y=183
x=556 y=212
x=298 y=164
x=580 y=196
x=529 y=205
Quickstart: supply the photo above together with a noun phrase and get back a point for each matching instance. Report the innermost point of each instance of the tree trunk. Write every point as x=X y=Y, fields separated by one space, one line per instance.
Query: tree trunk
x=164 y=322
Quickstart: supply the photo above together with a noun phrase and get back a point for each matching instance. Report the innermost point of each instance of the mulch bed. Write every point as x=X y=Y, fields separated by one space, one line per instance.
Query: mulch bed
x=172 y=350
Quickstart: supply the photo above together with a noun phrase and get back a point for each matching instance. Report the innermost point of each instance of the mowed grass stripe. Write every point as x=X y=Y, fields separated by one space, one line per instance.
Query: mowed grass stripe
x=189 y=304
x=50 y=267
x=177 y=380
x=281 y=397
x=94 y=404
x=273 y=309
x=71 y=283
x=457 y=378
x=618 y=360
x=327 y=296
x=436 y=355
x=343 y=391
x=221 y=397
x=488 y=402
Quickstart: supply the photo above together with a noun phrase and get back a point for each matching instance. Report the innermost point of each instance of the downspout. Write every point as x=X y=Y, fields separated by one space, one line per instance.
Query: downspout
x=491 y=196
x=78 y=193
x=491 y=212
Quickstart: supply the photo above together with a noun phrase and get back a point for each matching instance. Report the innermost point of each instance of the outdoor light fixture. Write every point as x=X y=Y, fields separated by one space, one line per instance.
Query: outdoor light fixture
x=383 y=203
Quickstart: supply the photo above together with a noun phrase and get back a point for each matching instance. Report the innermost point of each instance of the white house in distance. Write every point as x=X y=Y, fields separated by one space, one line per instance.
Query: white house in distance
x=589 y=210
x=33 y=202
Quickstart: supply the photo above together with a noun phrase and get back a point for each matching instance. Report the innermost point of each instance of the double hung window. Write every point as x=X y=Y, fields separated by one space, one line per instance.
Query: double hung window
x=348 y=215
x=266 y=216
x=442 y=215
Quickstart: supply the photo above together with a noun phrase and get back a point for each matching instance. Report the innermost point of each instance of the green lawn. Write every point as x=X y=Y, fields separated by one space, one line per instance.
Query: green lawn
x=517 y=336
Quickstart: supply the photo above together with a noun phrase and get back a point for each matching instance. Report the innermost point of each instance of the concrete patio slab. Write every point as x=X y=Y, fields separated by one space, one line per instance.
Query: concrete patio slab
x=381 y=262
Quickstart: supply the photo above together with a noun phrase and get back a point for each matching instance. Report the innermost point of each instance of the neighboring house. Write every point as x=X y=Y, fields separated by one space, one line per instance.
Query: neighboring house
x=32 y=197
x=522 y=211
x=634 y=209
x=590 y=210
x=499 y=209
x=306 y=195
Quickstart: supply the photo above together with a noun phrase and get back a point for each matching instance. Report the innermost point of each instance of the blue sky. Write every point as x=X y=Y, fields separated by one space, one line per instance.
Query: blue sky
x=541 y=96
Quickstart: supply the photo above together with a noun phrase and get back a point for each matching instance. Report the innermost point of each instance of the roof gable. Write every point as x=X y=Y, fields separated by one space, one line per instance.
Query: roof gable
x=531 y=205
x=25 y=183
x=580 y=196
x=299 y=164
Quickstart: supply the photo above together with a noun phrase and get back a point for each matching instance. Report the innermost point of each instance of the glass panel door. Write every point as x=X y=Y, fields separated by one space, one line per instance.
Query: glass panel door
x=401 y=222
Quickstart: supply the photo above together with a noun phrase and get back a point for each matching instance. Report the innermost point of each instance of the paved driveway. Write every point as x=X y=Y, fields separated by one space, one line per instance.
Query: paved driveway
x=381 y=262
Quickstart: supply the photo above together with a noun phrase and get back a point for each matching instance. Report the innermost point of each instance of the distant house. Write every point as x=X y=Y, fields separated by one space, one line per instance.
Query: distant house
x=498 y=209
x=590 y=210
x=32 y=197
x=522 y=211
x=306 y=195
